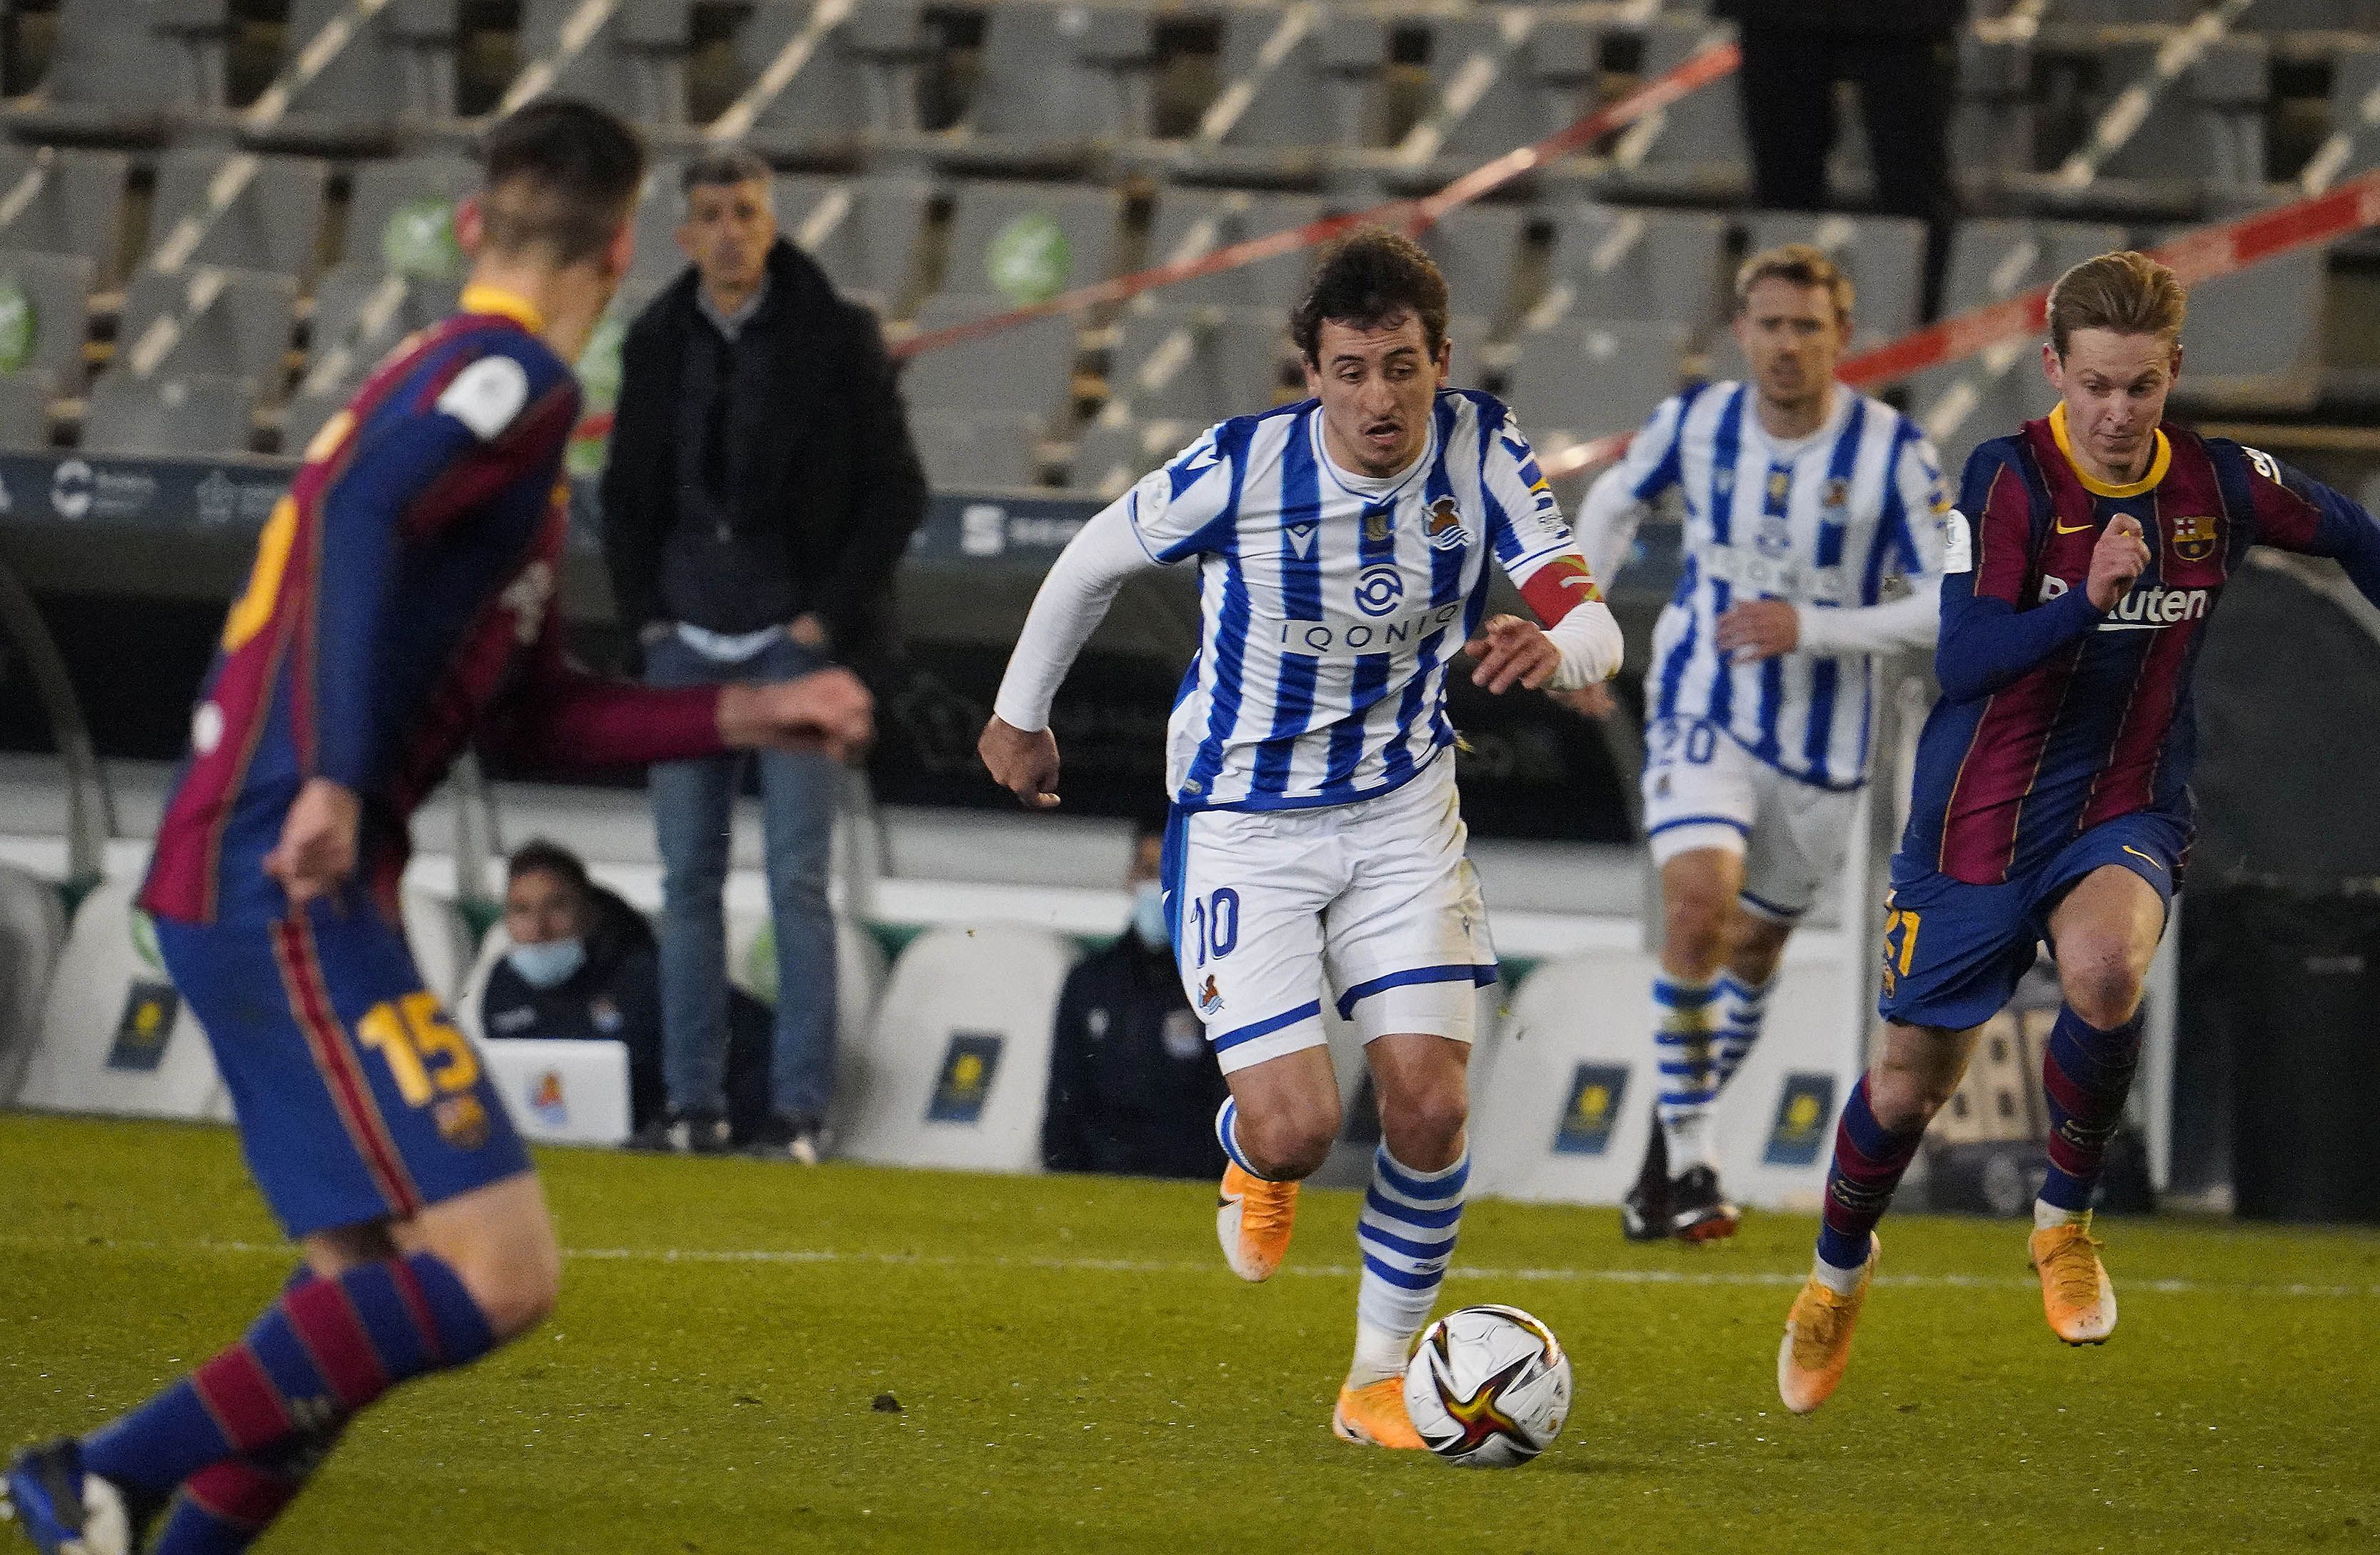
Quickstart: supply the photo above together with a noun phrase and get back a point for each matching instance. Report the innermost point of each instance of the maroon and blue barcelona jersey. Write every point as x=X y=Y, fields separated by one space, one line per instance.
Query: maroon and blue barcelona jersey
x=2056 y=717
x=402 y=605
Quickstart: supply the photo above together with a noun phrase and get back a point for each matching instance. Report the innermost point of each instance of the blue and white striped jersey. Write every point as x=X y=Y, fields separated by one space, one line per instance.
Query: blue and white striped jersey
x=1331 y=605
x=1824 y=522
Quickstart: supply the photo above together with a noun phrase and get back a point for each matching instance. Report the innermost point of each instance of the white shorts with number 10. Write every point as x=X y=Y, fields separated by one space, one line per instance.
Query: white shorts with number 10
x=1371 y=905
x=1702 y=789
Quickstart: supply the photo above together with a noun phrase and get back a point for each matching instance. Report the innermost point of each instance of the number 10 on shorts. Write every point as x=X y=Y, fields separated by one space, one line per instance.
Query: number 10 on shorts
x=1215 y=922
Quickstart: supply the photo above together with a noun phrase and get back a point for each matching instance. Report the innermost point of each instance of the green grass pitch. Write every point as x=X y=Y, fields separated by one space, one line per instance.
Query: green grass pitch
x=1075 y=1370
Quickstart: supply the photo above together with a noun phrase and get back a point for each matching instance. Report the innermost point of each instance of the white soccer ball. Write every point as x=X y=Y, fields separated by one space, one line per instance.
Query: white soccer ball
x=1488 y=1387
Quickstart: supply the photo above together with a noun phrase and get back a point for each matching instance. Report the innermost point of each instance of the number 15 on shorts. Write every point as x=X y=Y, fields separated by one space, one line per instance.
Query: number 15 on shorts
x=1215 y=924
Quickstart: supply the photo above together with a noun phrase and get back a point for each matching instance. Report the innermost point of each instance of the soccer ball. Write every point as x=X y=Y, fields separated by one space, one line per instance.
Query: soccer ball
x=1488 y=1387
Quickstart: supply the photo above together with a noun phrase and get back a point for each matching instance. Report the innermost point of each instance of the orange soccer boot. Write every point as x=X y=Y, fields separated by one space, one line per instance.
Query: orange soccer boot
x=1252 y=1219
x=1375 y=1413
x=1817 y=1345
x=2075 y=1291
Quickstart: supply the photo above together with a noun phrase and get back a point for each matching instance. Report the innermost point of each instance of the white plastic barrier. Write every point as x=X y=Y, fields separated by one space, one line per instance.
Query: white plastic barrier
x=1565 y=1108
x=440 y=942
x=858 y=978
x=957 y=1060
x=116 y=1035
x=561 y=1091
x=32 y=934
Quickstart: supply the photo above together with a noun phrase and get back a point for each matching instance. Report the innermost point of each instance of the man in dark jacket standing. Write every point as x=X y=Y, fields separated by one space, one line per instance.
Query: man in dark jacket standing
x=1902 y=57
x=1132 y=1086
x=761 y=490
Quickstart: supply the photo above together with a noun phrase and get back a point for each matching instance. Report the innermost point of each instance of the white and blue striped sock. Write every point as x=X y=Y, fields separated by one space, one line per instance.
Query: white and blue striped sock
x=1227 y=1134
x=1406 y=1234
x=1742 y=1007
x=1689 y=1078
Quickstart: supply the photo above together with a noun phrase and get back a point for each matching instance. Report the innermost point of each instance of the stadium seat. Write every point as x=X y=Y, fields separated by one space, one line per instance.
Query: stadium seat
x=1614 y=263
x=1053 y=79
x=1200 y=364
x=1594 y=377
x=1884 y=256
x=368 y=88
x=1476 y=247
x=953 y=1069
x=966 y=453
x=1193 y=222
x=274 y=224
x=983 y=211
x=111 y=72
x=363 y=309
x=187 y=416
x=221 y=320
x=2205 y=130
x=2354 y=78
x=831 y=99
x=25 y=408
x=1115 y=450
x=634 y=64
x=73 y=209
x=56 y=291
x=1992 y=119
x=2257 y=337
x=1300 y=83
x=32 y=933
x=864 y=232
x=1694 y=148
x=1991 y=260
x=409 y=186
x=1024 y=370
x=115 y=1036
x=1541 y=86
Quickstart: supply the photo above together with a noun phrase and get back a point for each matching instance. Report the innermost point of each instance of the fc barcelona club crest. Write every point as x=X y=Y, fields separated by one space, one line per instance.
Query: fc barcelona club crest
x=2193 y=537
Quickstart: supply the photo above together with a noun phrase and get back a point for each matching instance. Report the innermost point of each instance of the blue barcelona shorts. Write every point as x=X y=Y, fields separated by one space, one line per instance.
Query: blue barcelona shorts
x=358 y=1098
x=1954 y=952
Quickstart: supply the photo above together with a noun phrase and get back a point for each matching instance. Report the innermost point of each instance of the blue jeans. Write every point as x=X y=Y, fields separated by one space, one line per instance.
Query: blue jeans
x=693 y=812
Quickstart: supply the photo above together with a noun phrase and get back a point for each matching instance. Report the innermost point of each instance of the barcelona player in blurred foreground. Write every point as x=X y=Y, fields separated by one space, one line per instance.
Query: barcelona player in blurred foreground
x=2051 y=799
x=403 y=606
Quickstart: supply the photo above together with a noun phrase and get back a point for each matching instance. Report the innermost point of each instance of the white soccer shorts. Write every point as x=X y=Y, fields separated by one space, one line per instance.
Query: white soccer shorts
x=1371 y=904
x=1702 y=790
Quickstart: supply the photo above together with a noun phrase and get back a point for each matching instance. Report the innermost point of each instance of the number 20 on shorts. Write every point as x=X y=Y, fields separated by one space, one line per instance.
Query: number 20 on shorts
x=1215 y=920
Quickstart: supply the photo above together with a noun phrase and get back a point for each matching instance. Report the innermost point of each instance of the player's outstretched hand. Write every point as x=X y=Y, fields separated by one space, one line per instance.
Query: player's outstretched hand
x=1024 y=763
x=1759 y=629
x=2116 y=562
x=318 y=842
x=826 y=710
x=1512 y=653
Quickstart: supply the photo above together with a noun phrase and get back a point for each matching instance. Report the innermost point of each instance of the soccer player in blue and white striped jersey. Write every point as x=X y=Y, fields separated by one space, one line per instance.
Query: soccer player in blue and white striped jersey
x=1316 y=848
x=1802 y=501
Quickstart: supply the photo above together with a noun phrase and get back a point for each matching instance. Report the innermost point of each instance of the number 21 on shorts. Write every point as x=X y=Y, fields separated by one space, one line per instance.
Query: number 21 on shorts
x=1215 y=923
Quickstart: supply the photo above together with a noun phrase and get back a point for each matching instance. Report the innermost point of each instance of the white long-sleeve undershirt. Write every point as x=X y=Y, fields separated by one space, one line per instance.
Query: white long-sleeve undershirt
x=1074 y=599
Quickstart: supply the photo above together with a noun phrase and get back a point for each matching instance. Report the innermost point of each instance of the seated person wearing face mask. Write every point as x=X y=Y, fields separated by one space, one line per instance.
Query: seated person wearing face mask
x=583 y=964
x=1133 y=1087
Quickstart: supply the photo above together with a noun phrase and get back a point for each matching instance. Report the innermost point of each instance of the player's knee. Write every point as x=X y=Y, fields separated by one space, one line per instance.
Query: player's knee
x=2103 y=983
x=1905 y=1097
x=514 y=1288
x=1291 y=1140
x=1696 y=926
x=1425 y=1129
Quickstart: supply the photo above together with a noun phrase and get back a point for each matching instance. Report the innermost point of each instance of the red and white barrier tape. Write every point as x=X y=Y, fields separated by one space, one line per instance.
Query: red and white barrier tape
x=2207 y=254
x=1698 y=70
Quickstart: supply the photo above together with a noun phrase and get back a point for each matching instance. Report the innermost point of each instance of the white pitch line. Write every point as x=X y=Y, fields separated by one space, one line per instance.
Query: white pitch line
x=802 y=1257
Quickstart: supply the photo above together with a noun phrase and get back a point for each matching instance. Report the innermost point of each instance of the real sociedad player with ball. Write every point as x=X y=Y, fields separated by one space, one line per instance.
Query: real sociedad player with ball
x=1316 y=848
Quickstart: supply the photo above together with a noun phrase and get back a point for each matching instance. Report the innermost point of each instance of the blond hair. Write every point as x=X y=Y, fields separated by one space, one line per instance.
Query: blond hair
x=1802 y=264
x=2127 y=293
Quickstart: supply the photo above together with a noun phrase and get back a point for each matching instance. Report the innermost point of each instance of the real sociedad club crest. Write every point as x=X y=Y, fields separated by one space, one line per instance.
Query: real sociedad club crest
x=1445 y=527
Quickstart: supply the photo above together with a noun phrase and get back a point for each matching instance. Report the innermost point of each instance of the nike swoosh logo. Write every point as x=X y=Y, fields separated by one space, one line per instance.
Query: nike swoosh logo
x=2073 y=529
x=2137 y=853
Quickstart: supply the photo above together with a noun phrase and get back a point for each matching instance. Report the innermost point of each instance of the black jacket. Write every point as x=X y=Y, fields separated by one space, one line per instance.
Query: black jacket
x=840 y=489
x=615 y=993
x=1133 y=1087
x=1871 y=16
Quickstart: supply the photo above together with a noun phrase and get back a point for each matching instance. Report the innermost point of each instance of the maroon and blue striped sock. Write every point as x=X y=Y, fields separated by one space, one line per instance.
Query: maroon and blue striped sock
x=2085 y=1072
x=323 y=1350
x=226 y=1507
x=1869 y=1159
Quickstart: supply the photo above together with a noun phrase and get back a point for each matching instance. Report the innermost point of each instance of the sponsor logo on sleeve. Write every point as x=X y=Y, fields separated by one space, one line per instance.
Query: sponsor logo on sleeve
x=1958 y=543
x=486 y=396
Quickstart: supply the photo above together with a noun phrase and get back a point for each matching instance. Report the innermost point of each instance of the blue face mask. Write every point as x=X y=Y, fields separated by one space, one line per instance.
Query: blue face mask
x=549 y=964
x=1148 y=915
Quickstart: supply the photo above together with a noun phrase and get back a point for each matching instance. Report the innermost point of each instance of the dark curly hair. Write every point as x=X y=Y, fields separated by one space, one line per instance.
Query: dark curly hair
x=1373 y=277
